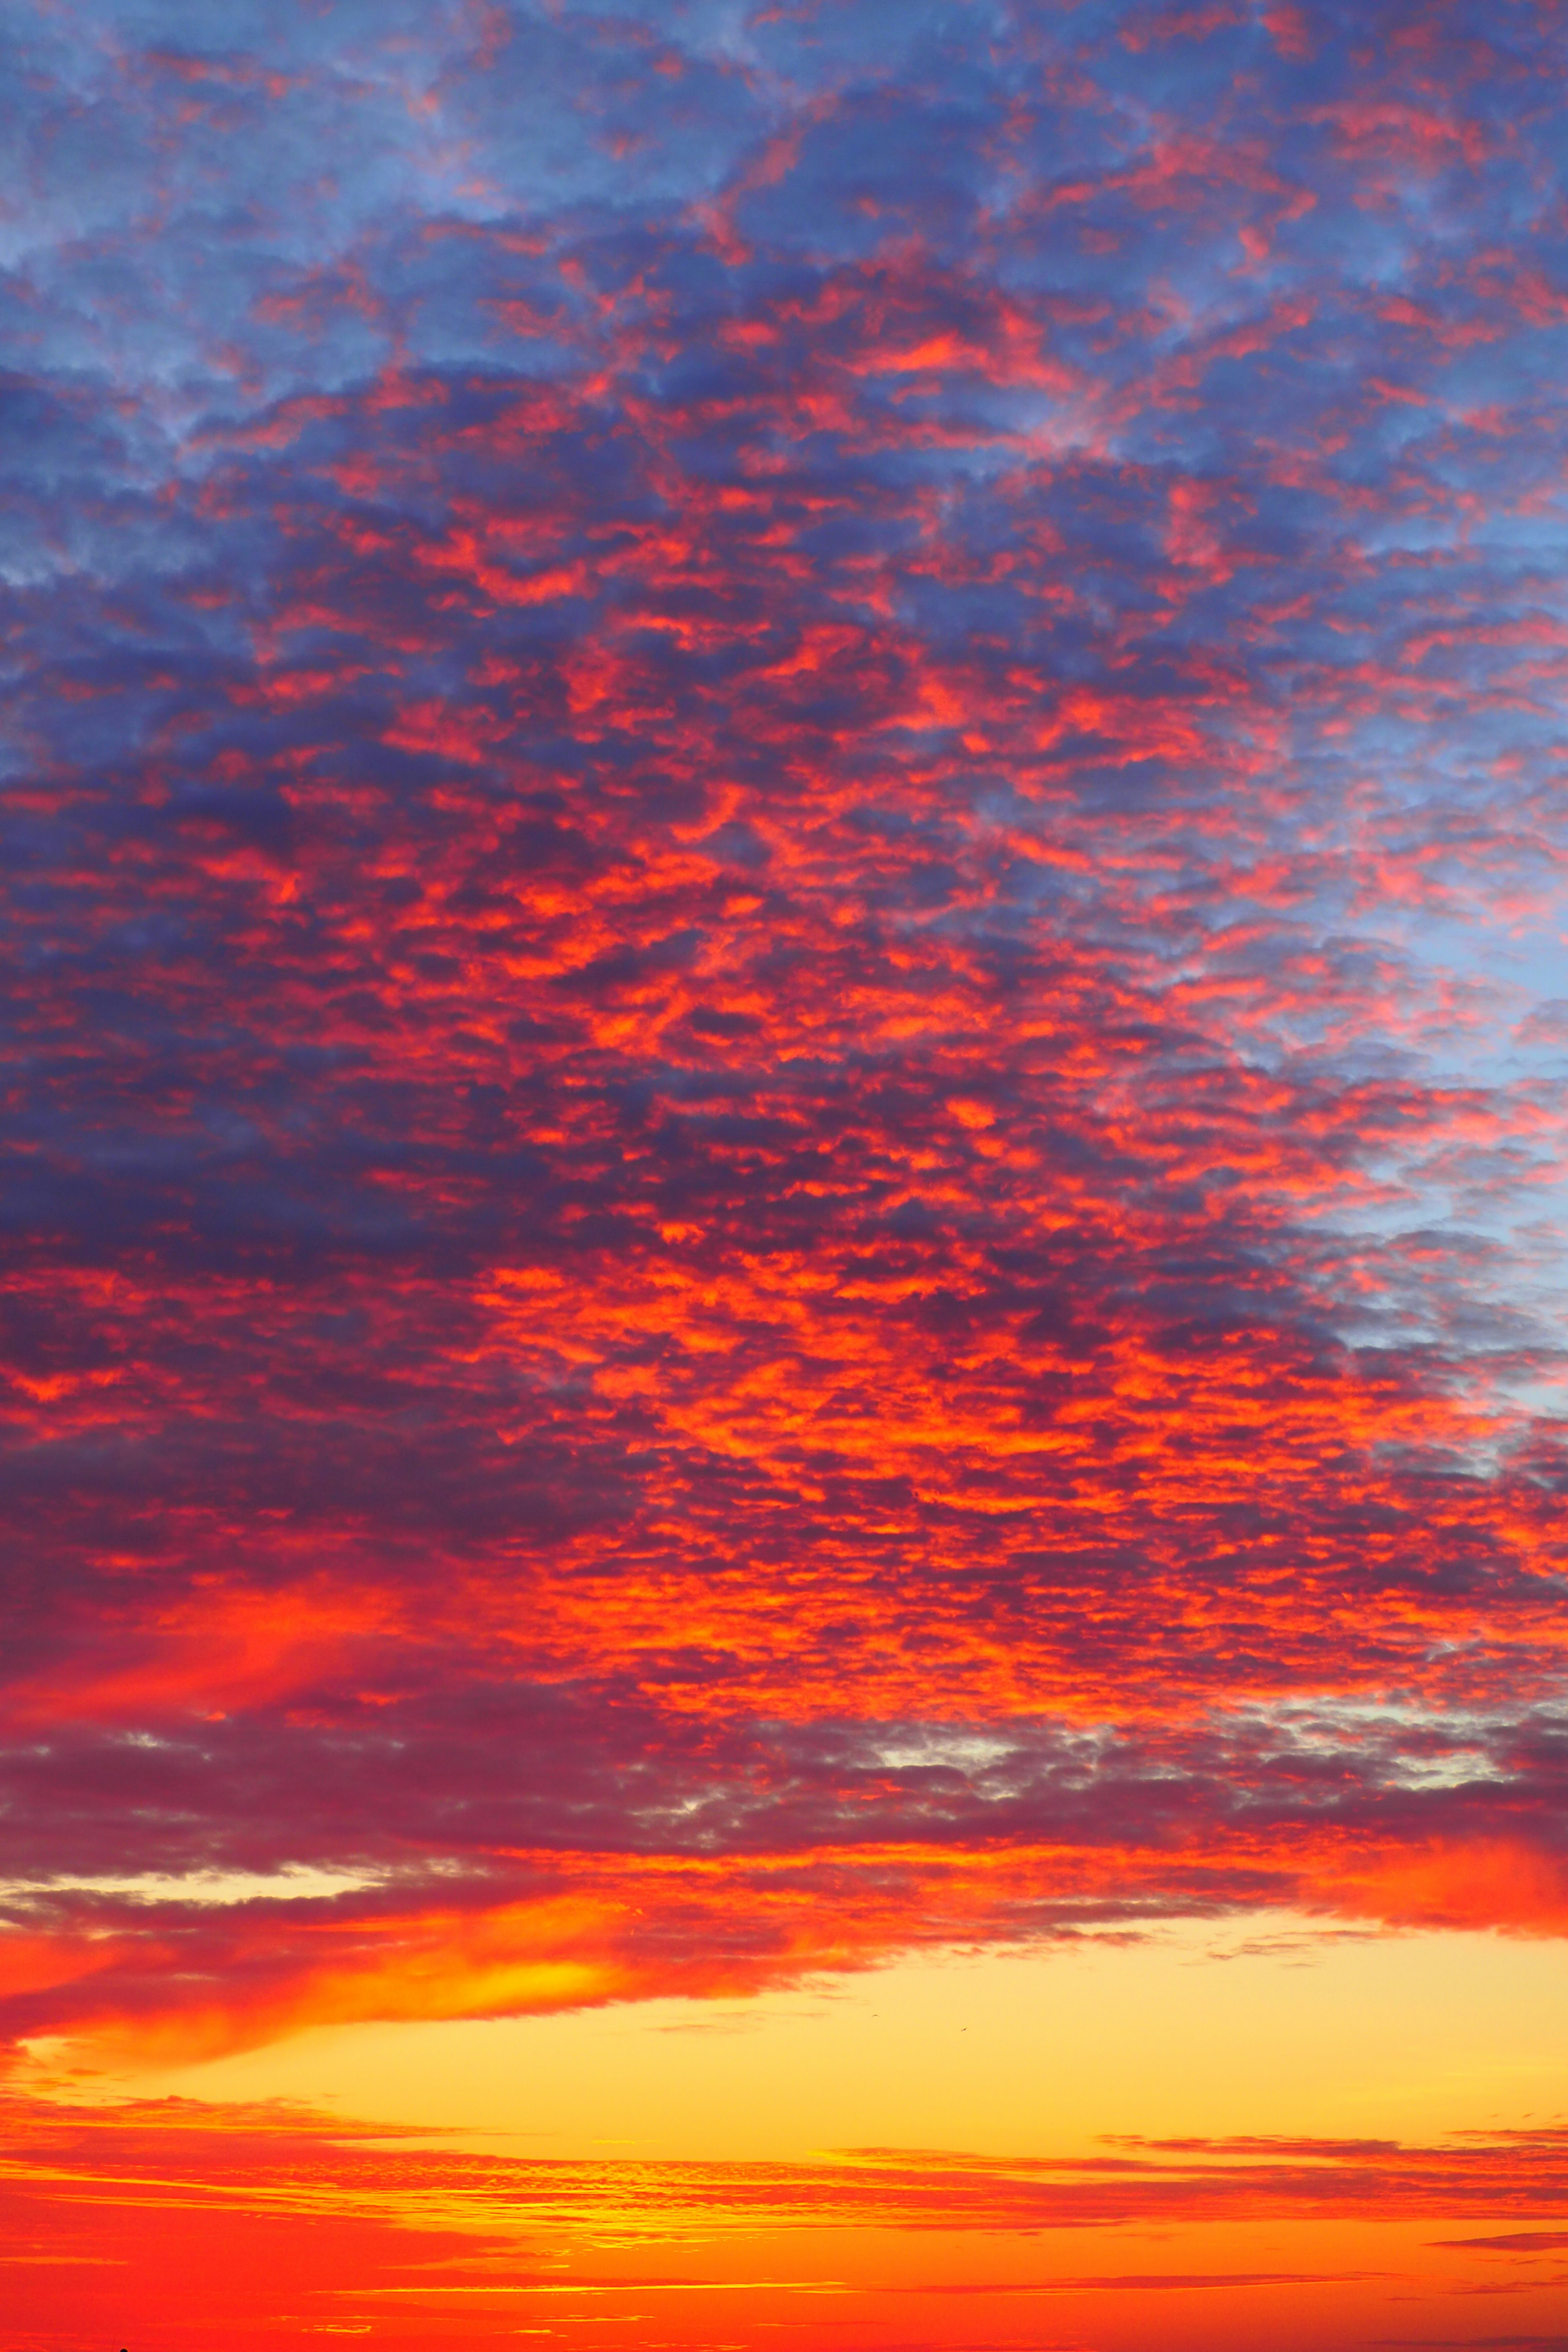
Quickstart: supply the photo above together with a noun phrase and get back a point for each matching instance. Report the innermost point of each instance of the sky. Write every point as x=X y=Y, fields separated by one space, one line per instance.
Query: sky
x=783 y=1345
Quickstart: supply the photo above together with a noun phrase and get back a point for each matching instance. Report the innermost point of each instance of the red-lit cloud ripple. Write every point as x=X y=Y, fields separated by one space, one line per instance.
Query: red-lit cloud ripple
x=786 y=1000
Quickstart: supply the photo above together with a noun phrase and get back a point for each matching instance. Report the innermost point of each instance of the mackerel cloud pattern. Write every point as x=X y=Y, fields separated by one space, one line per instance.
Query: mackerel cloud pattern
x=785 y=997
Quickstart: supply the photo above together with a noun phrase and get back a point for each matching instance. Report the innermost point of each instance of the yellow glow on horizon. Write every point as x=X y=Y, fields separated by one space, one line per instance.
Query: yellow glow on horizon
x=1266 y=2026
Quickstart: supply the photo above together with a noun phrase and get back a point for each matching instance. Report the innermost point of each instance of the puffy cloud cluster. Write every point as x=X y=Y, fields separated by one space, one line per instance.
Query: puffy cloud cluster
x=783 y=987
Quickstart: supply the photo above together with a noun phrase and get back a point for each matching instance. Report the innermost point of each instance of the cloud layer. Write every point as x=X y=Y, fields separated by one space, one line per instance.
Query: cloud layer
x=784 y=994
x=418 y=2246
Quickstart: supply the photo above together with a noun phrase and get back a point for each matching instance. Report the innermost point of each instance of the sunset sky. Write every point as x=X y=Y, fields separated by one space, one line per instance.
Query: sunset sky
x=783 y=1337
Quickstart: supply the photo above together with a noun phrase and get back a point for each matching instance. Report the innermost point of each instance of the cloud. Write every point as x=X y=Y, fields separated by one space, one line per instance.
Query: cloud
x=275 y=2153
x=776 y=781
x=391 y=2229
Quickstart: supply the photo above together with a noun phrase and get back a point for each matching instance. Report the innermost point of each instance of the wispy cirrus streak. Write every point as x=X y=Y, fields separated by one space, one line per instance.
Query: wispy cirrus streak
x=413 y=2243
x=786 y=995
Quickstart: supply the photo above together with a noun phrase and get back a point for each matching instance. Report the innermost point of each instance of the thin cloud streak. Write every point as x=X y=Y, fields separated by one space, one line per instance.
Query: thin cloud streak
x=391 y=2232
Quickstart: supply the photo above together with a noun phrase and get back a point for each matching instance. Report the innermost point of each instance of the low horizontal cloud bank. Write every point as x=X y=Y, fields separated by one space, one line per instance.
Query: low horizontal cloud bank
x=475 y=1894
x=782 y=1007
x=292 y=2159
x=107 y=2205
